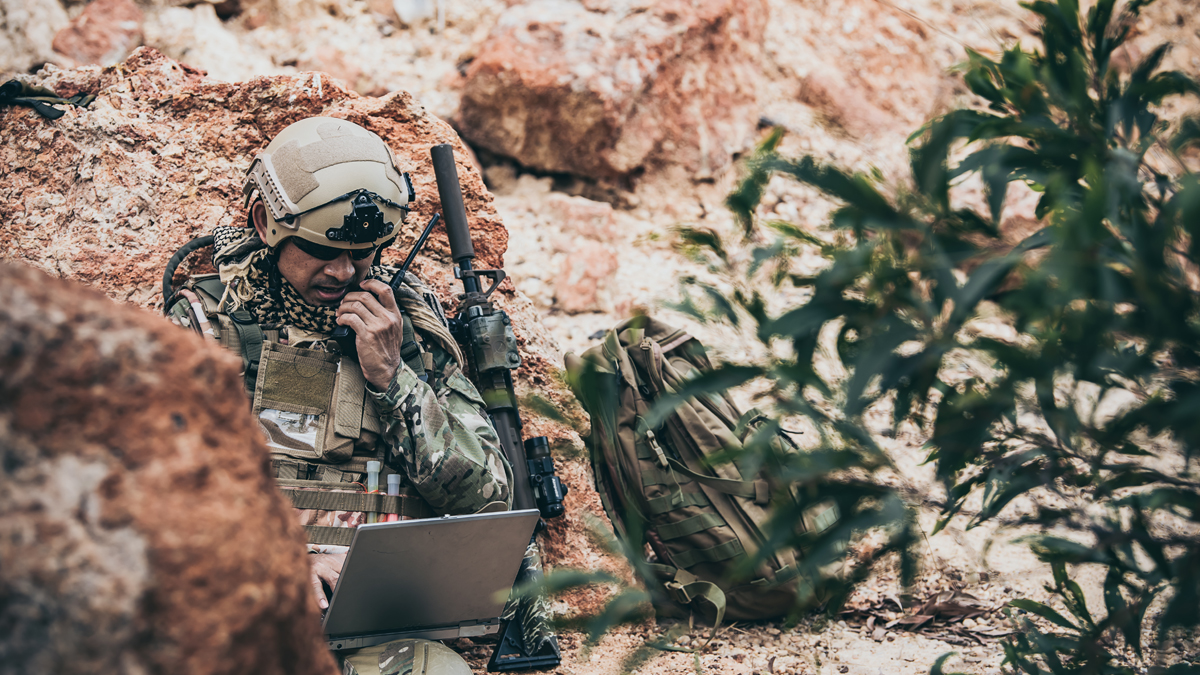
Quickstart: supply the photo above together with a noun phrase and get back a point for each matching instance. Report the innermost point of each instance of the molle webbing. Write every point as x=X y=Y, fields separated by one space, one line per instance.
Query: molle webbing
x=408 y=506
x=692 y=525
x=334 y=475
x=329 y=536
x=659 y=505
x=347 y=496
x=239 y=330
x=757 y=490
x=717 y=553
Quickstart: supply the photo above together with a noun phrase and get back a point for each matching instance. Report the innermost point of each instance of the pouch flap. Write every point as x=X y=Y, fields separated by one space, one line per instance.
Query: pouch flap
x=295 y=380
x=351 y=395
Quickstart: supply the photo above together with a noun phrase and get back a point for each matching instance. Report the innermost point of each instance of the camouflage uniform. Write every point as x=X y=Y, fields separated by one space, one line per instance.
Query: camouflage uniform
x=439 y=438
x=434 y=433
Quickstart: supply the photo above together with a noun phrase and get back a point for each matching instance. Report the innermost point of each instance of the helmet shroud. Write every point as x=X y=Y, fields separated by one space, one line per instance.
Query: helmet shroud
x=331 y=182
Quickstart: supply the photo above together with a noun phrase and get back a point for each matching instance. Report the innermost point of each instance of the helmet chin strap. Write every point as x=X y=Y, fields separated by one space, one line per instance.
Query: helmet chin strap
x=274 y=277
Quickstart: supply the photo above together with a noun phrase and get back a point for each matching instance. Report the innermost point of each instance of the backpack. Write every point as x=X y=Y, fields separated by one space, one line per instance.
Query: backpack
x=700 y=518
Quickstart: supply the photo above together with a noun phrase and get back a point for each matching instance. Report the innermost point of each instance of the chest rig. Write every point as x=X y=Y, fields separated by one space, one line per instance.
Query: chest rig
x=312 y=406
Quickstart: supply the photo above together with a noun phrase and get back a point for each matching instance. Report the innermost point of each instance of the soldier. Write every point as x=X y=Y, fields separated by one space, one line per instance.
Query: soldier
x=324 y=198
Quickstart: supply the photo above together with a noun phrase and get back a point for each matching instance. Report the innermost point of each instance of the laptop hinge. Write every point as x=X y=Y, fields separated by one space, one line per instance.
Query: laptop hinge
x=477 y=628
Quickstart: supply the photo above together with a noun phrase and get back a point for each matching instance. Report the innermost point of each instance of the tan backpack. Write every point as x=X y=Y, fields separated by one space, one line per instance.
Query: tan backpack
x=701 y=518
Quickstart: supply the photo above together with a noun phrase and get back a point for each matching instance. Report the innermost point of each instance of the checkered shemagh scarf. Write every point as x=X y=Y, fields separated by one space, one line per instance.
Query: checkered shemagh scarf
x=247 y=268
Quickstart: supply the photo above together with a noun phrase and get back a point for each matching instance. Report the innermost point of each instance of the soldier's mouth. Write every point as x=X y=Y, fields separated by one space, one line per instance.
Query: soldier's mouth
x=329 y=294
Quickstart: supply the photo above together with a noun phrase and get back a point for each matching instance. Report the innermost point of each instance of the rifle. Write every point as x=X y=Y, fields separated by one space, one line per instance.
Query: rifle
x=485 y=331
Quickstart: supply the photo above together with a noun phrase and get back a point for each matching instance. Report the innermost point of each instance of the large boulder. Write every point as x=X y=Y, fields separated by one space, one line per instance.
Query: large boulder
x=140 y=531
x=608 y=89
x=106 y=194
x=105 y=33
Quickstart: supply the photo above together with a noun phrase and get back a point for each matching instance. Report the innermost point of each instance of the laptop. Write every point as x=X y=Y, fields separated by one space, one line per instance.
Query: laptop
x=436 y=579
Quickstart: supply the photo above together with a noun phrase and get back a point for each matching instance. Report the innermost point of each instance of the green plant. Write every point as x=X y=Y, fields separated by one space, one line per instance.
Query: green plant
x=1062 y=369
x=1089 y=411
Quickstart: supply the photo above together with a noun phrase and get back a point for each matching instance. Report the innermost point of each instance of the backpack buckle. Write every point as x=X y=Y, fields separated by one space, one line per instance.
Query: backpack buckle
x=242 y=317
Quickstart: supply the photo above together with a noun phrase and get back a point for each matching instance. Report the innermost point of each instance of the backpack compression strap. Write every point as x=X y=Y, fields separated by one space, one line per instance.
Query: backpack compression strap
x=687 y=589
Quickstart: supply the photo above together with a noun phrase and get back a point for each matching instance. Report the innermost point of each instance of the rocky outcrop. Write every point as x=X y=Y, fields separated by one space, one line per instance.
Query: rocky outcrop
x=140 y=531
x=607 y=89
x=590 y=256
x=107 y=193
x=27 y=28
x=103 y=34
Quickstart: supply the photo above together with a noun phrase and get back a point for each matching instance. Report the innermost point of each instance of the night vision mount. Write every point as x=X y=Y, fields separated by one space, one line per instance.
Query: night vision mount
x=364 y=223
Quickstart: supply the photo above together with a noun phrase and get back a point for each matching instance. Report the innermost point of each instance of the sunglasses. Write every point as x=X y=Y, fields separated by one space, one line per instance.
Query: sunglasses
x=321 y=252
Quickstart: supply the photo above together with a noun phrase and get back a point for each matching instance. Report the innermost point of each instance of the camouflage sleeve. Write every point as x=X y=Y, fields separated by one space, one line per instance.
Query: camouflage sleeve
x=442 y=442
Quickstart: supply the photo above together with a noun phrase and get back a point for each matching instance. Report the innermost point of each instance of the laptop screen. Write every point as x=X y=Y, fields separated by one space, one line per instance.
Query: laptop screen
x=419 y=576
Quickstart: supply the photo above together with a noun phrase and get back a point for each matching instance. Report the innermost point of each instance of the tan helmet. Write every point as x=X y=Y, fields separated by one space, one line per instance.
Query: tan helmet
x=330 y=182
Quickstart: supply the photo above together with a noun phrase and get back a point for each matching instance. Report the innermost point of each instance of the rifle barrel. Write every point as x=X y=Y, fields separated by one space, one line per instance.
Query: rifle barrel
x=455 y=212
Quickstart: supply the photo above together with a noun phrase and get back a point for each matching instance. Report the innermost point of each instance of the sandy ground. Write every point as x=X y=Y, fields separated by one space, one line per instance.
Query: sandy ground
x=849 y=79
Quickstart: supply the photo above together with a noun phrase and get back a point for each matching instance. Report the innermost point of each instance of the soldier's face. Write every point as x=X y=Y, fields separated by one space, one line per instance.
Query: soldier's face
x=319 y=282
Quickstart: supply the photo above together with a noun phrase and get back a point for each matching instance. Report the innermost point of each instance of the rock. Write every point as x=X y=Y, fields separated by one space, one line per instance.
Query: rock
x=583 y=277
x=103 y=34
x=107 y=193
x=27 y=29
x=139 y=525
x=608 y=93
x=383 y=8
x=197 y=36
x=593 y=220
x=414 y=11
x=334 y=62
x=844 y=104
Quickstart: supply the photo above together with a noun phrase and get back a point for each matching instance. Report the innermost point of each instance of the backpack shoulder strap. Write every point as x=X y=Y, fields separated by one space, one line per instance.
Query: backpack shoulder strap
x=239 y=329
x=411 y=351
x=250 y=342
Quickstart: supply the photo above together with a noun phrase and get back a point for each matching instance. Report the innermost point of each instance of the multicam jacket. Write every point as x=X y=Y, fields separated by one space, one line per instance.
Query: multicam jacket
x=323 y=422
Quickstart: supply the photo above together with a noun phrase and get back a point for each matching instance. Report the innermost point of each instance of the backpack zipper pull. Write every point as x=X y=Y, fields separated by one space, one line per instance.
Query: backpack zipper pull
x=662 y=456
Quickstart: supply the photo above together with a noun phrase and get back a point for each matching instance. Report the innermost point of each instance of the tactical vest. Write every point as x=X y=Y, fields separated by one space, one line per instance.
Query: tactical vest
x=320 y=425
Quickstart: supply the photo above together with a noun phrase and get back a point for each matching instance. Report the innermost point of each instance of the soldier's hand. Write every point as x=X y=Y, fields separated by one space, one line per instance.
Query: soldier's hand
x=326 y=567
x=375 y=318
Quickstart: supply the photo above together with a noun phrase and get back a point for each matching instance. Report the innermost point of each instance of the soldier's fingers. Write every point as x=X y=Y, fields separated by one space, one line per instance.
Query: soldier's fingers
x=383 y=293
x=367 y=300
x=320 y=591
x=353 y=320
x=371 y=323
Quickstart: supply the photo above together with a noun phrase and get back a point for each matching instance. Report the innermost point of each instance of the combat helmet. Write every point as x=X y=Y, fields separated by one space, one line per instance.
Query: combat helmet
x=407 y=657
x=330 y=182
